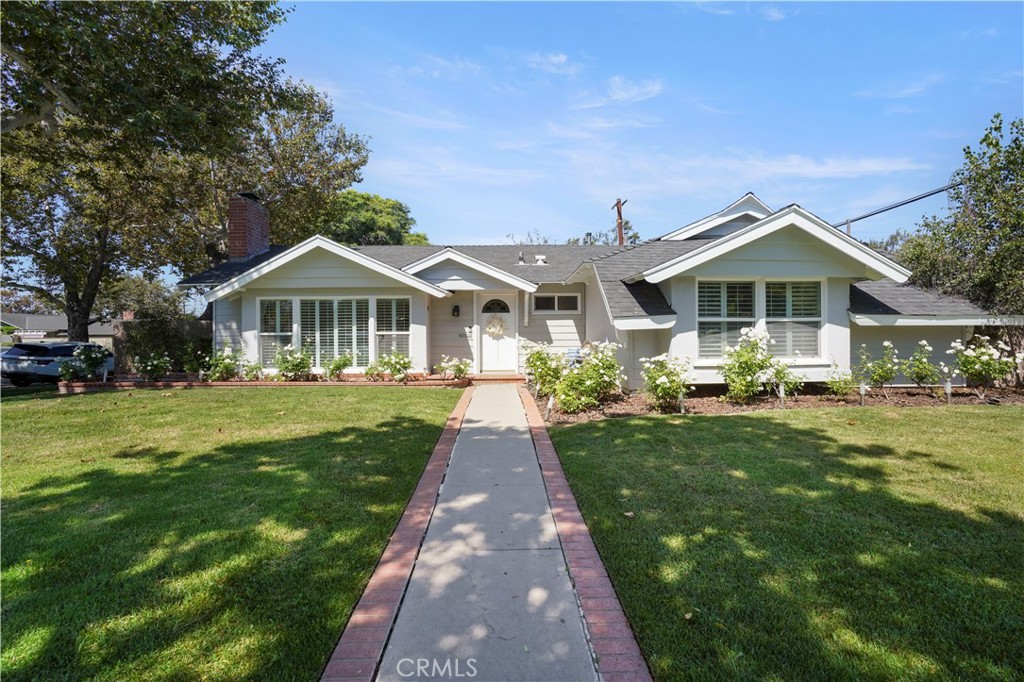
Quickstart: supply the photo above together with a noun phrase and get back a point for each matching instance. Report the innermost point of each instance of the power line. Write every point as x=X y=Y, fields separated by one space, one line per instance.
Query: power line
x=898 y=204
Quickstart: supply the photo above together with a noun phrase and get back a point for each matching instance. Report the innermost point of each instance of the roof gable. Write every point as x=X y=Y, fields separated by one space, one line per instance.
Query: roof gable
x=747 y=208
x=449 y=254
x=876 y=266
x=320 y=242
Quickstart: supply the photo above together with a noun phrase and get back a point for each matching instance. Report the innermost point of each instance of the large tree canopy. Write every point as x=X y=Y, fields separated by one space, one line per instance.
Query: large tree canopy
x=978 y=250
x=296 y=160
x=360 y=218
x=173 y=75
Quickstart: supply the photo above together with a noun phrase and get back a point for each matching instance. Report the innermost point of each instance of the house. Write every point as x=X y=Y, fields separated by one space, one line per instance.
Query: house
x=34 y=327
x=819 y=293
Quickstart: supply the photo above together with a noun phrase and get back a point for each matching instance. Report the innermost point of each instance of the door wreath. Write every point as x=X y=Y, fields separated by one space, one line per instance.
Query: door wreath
x=495 y=327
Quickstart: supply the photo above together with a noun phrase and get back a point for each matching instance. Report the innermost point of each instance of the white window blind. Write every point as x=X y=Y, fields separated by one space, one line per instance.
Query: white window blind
x=793 y=317
x=275 y=328
x=353 y=330
x=723 y=309
x=393 y=326
x=318 y=330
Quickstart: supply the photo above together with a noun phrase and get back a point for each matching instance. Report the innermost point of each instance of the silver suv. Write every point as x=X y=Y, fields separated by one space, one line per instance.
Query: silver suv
x=27 y=363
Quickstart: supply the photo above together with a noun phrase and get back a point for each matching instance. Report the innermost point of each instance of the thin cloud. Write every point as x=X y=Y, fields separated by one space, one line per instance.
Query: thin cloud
x=712 y=8
x=623 y=91
x=1005 y=78
x=914 y=89
x=446 y=121
x=555 y=62
x=772 y=13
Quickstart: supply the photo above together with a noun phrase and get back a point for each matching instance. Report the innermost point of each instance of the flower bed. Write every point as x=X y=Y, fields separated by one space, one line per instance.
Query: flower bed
x=708 y=400
x=123 y=383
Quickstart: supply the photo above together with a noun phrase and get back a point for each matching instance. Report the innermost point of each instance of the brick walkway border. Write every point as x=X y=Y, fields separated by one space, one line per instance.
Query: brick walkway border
x=361 y=646
x=618 y=655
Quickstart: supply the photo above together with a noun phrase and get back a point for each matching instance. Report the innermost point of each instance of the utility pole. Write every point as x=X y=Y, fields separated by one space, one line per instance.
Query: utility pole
x=619 y=203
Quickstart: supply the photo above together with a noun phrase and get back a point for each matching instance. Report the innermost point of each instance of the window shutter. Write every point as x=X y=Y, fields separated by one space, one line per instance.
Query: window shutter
x=362 y=332
x=709 y=299
x=775 y=299
x=739 y=298
x=806 y=298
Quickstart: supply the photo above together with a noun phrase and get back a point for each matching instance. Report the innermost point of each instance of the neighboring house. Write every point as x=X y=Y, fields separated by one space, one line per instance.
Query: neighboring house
x=32 y=327
x=818 y=292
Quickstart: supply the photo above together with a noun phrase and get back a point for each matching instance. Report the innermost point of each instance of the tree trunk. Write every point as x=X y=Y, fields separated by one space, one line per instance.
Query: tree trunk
x=78 y=324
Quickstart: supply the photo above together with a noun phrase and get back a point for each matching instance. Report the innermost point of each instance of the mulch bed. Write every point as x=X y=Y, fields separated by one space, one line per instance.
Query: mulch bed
x=709 y=400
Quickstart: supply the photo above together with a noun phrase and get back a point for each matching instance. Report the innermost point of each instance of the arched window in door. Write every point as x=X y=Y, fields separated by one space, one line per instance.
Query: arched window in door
x=495 y=305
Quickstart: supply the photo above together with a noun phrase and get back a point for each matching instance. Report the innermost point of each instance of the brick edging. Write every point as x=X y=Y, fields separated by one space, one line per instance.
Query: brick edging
x=79 y=387
x=361 y=645
x=618 y=654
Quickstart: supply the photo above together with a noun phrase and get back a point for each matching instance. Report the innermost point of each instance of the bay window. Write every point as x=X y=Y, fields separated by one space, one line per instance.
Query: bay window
x=789 y=311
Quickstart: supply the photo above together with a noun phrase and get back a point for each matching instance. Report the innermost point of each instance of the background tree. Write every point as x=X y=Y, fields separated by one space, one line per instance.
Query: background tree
x=14 y=301
x=609 y=236
x=171 y=75
x=360 y=218
x=296 y=160
x=977 y=251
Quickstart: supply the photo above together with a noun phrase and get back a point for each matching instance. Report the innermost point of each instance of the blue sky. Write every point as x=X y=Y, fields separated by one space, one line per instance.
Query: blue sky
x=497 y=118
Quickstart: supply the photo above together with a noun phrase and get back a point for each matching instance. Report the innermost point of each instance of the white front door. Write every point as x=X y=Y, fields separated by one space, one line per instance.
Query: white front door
x=497 y=332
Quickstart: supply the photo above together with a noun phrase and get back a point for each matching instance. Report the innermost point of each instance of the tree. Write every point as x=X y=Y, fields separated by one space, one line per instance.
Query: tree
x=977 y=251
x=26 y=302
x=70 y=227
x=296 y=160
x=359 y=218
x=168 y=75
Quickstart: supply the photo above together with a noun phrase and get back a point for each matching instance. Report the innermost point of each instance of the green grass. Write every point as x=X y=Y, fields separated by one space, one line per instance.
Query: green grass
x=842 y=544
x=199 y=534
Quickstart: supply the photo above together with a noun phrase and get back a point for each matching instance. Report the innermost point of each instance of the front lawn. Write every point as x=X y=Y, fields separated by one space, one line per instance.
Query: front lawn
x=841 y=544
x=220 y=534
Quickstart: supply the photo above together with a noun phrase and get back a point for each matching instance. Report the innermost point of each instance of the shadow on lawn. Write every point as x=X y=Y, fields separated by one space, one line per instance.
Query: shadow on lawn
x=242 y=563
x=798 y=556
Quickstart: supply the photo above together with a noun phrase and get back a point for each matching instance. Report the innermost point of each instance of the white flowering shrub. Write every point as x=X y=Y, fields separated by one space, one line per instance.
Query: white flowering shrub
x=395 y=365
x=195 y=357
x=666 y=379
x=981 y=363
x=293 y=364
x=749 y=368
x=84 y=363
x=545 y=368
x=251 y=371
x=335 y=369
x=840 y=383
x=598 y=377
x=881 y=372
x=919 y=368
x=153 y=367
x=224 y=364
x=454 y=368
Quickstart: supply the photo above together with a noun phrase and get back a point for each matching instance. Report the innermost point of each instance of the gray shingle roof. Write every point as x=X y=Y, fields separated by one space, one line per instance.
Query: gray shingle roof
x=886 y=297
x=219 y=274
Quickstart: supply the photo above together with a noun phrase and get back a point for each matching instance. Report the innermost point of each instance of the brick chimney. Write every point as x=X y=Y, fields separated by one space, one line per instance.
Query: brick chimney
x=248 y=227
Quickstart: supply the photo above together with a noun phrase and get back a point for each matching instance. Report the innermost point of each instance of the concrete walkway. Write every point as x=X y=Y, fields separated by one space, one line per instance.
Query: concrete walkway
x=490 y=597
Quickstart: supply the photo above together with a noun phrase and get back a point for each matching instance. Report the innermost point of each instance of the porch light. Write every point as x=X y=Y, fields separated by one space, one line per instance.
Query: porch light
x=455 y=311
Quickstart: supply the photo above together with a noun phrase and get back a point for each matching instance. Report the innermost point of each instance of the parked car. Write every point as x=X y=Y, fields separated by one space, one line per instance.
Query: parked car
x=26 y=363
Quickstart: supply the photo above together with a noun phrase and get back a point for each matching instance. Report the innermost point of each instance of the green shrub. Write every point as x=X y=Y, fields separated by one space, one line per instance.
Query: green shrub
x=593 y=381
x=195 y=357
x=293 y=364
x=545 y=368
x=749 y=368
x=453 y=367
x=374 y=371
x=335 y=369
x=982 y=364
x=252 y=371
x=878 y=373
x=667 y=380
x=396 y=364
x=840 y=383
x=919 y=368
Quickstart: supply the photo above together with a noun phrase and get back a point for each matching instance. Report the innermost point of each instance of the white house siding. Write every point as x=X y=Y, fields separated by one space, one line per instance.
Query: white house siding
x=598 y=325
x=227 y=318
x=452 y=336
x=646 y=343
x=320 y=269
x=905 y=340
x=561 y=330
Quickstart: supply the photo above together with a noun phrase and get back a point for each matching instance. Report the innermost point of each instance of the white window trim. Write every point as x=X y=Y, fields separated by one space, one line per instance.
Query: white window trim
x=760 y=317
x=297 y=321
x=577 y=296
